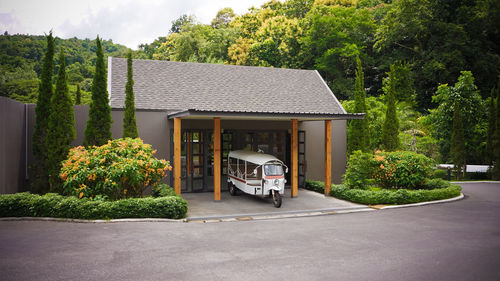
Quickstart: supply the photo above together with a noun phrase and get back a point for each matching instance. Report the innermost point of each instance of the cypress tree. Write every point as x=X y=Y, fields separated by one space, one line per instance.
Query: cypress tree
x=496 y=139
x=491 y=128
x=129 y=123
x=61 y=127
x=390 y=129
x=358 y=138
x=78 y=98
x=98 y=130
x=39 y=176
x=458 y=152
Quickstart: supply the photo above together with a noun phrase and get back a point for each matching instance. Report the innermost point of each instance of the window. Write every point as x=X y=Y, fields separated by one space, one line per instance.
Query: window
x=273 y=170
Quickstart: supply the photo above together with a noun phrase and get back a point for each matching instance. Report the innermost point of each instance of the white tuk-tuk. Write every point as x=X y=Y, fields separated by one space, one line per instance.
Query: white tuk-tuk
x=257 y=174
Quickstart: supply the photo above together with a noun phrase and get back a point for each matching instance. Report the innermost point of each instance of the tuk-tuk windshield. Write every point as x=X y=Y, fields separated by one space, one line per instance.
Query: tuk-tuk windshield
x=273 y=170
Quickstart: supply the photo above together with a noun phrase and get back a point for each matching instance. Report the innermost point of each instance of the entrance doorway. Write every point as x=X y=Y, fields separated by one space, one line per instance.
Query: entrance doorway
x=197 y=156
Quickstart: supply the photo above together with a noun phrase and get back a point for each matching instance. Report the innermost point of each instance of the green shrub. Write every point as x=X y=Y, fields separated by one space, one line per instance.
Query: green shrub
x=119 y=169
x=399 y=196
x=401 y=169
x=54 y=205
x=440 y=174
x=436 y=189
x=317 y=186
x=162 y=190
x=359 y=170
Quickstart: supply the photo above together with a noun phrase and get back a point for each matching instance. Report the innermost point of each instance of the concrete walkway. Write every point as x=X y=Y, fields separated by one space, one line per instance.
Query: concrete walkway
x=203 y=206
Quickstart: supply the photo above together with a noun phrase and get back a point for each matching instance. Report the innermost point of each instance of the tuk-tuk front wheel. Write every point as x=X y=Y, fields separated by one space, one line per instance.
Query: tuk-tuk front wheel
x=232 y=188
x=276 y=198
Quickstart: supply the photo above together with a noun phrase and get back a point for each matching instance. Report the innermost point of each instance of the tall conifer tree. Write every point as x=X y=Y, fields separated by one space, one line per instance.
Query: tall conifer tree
x=496 y=139
x=491 y=128
x=358 y=138
x=390 y=129
x=39 y=176
x=98 y=130
x=78 y=98
x=129 y=122
x=61 y=127
x=458 y=152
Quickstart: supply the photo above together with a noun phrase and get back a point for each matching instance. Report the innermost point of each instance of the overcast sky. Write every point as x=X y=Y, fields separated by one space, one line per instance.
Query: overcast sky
x=127 y=22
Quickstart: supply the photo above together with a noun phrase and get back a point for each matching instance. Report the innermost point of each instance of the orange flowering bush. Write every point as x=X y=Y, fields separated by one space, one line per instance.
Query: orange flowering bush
x=401 y=169
x=119 y=169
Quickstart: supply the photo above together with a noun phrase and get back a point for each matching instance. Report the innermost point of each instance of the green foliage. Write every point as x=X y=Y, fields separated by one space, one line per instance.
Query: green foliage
x=401 y=169
x=400 y=78
x=223 y=18
x=121 y=168
x=440 y=174
x=98 y=130
x=458 y=152
x=358 y=134
x=162 y=190
x=21 y=62
x=39 y=171
x=334 y=36
x=399 y=196
x=61 y=128
x=129 y=123
x=54 y=205
x=78 y=95
x=434 y=189
x=439 y=40
x=390 y=129
x=496 y=137
x=473 y=116
x=360 y=167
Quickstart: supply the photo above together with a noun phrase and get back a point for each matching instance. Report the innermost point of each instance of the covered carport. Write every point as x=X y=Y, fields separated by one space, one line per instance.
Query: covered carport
x=292 y=118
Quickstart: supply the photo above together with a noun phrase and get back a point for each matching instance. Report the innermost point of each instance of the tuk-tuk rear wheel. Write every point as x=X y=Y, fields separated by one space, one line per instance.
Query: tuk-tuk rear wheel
x=232 y=188
x=276 y=198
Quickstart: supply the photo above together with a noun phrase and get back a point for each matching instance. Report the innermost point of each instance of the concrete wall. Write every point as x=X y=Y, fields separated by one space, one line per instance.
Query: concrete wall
x=315 y=142
x=12 y=146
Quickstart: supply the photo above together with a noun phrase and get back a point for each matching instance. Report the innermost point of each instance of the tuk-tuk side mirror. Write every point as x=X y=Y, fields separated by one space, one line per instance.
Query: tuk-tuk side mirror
x=286 y=170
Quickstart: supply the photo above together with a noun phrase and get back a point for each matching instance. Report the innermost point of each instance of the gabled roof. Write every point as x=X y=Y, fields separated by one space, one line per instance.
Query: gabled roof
x=200 y=87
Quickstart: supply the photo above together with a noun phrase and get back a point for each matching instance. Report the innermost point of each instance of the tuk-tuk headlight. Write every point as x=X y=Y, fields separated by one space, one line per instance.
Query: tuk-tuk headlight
x=276 y=182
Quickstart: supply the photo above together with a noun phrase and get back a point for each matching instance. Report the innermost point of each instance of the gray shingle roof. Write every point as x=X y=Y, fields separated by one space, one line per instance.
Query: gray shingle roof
x=165 y=85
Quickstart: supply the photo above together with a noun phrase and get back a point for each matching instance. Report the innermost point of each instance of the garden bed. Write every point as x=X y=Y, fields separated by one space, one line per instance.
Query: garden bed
x=376 y=196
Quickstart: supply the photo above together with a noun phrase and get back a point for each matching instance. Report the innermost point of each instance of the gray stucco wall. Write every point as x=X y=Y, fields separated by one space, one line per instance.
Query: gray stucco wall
x=154 y=128
x=315 y=142
x=12 y=146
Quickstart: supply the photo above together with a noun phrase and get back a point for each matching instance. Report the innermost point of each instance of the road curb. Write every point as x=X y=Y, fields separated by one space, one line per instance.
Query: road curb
x=87 y=221
x=460 y=197
x=245 y=217
x=284 y=214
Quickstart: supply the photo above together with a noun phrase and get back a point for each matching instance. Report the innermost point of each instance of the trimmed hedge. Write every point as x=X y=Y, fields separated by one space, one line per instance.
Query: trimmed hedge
x=55 y=205
x=390 y=196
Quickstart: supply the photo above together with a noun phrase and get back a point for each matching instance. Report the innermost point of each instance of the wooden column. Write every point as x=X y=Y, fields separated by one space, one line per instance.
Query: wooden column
x=217 y=162
x=328 y=156
x=177 y=155
x=295 y=157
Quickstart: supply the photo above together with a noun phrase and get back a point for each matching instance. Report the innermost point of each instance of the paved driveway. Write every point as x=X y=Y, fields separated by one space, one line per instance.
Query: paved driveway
x=452 y=241
x=202 y=205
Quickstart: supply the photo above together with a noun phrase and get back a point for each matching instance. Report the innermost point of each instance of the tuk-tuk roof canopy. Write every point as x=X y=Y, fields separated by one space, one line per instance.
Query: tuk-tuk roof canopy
x=253 y=157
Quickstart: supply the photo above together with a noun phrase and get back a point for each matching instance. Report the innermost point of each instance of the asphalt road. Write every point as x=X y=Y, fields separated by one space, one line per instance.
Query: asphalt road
x=451 y=241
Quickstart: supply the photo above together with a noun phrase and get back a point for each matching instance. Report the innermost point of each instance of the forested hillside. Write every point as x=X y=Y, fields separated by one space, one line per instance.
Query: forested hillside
x=20 y=64
x=427 y=43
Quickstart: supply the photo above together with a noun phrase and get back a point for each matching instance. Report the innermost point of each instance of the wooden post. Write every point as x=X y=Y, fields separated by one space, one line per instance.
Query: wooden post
x=217 y=162
x=328 y=156
x=295 y=157
x=177 y=155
